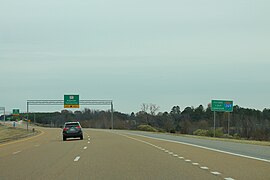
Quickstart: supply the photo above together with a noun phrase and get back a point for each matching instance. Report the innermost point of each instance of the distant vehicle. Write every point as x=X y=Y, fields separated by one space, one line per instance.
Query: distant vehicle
x=72 y=130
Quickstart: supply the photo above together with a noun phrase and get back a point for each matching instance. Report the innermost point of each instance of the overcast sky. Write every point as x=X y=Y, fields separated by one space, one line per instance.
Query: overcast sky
x=173 y=52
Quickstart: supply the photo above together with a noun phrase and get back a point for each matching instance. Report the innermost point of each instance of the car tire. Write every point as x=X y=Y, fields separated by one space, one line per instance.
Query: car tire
x=81 y=137
x=64 y=138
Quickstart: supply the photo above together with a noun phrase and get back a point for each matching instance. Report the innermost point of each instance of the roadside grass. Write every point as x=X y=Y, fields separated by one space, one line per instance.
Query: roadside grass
x=243 y=141
x=11 y=133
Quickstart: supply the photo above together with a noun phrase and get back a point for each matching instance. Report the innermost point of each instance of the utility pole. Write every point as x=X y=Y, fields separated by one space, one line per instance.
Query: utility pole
x=214 y=123
x=112 y=114
x=229 y=114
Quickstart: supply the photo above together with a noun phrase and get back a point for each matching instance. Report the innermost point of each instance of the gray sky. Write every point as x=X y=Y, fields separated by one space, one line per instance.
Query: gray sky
x=173 y=52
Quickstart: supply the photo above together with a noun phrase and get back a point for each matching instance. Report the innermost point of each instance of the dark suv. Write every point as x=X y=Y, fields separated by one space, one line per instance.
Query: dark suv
x=72 y=130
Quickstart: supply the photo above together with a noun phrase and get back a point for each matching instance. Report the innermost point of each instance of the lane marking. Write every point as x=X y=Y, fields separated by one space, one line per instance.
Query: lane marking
x=88 y=142
x=37 y=145
x=171 y=153
x=85 y=147
x=16 y=152
x=77 y=158
x=216 y=173
x=203 y=147
x=204 y=168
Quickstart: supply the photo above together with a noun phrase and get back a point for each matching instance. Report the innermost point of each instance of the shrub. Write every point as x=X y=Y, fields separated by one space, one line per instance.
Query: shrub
x=147 y=128
x=201 y=132
x=219 y=132
x=227 y=136
x=236 y=136
x=172 y=131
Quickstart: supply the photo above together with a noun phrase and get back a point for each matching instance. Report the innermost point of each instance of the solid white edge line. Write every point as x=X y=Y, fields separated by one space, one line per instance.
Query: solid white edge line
x=196 y=164
x=211 y=149
x=77 y=158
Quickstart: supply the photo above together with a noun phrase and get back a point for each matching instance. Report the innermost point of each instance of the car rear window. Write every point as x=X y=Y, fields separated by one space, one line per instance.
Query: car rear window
x=72 y=124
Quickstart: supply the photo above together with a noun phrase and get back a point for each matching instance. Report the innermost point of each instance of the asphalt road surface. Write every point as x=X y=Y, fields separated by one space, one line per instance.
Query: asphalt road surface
x=109 y=154
x=240 y=149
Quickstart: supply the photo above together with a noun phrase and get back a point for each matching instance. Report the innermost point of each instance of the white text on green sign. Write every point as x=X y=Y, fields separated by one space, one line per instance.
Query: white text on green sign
x=222 y=105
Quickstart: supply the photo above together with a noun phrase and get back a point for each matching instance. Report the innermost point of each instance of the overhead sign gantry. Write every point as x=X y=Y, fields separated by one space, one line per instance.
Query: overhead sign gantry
x=70 y=102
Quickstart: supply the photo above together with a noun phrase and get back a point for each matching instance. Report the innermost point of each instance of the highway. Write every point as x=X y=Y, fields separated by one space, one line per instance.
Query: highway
x=240 y=149
x=111 y=154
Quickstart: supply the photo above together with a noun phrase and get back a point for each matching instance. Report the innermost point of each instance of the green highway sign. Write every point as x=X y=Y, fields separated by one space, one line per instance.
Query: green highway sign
x=16 y=112
x=222 y=105
x=71 y=101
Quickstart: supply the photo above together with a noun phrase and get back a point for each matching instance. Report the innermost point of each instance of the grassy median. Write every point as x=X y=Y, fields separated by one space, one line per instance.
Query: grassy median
x=13 y=133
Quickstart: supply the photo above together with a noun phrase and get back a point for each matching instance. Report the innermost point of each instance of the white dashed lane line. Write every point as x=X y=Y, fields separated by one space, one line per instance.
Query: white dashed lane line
x=16 y=152
x=204 y=168
x=216 y=173
x=177 y=156
x=88 y=142
x=77 y=158
x=85 y=148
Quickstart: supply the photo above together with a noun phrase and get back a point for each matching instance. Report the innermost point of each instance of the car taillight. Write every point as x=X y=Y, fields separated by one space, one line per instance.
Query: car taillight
x=78 y=127
x=65 y=129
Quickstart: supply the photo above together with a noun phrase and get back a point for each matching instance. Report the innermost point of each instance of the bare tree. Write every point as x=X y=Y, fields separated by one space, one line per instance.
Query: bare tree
x=153 y=109
x=144 y=107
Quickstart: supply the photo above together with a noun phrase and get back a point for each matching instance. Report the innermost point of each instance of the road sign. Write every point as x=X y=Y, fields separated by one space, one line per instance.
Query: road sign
x=71 y=101
x=16 y=112
x=222 y=105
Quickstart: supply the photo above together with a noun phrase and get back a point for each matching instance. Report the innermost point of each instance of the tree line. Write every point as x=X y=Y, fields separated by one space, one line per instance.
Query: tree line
x=244 y=122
